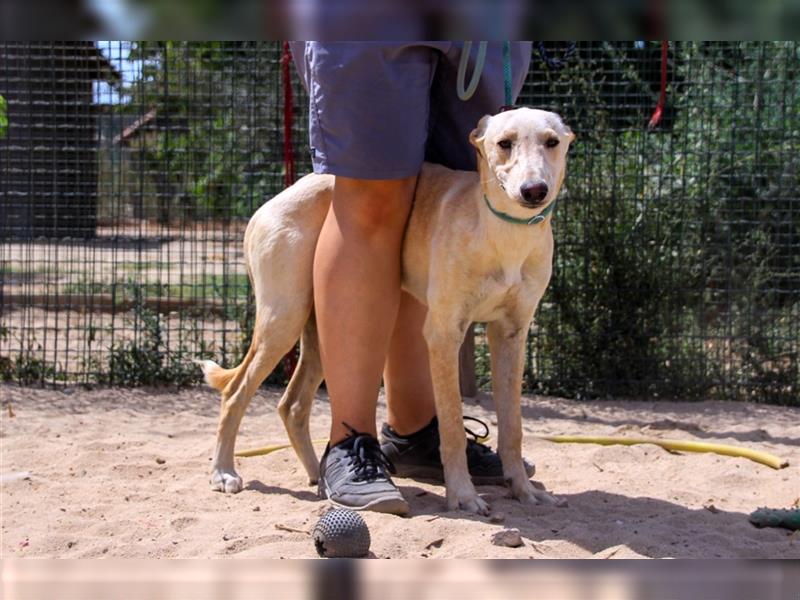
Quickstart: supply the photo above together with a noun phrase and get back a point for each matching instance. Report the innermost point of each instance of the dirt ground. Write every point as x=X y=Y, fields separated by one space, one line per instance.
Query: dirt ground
x=124 y=473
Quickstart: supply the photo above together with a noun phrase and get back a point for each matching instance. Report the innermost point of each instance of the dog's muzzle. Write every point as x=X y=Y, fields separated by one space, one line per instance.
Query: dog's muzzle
x=534 y=193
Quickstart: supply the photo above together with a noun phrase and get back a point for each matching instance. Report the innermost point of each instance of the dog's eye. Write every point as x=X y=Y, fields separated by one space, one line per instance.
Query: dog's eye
x=551 y=142
x=505 y=144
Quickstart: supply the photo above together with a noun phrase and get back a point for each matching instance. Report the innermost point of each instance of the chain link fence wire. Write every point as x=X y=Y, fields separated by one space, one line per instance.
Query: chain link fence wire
x=128 y=171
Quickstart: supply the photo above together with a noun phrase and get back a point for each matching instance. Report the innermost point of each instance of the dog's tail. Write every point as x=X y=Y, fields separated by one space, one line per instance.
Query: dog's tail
x=217 y=377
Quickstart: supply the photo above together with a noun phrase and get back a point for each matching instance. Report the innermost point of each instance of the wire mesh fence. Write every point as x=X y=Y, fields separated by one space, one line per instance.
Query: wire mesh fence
x=128 y=172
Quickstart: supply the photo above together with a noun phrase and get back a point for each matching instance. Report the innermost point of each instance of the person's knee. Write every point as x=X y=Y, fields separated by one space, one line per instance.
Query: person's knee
x=374 y=207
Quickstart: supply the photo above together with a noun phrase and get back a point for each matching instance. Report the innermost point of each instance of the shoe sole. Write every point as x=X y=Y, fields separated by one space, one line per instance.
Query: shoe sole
x=393 y=506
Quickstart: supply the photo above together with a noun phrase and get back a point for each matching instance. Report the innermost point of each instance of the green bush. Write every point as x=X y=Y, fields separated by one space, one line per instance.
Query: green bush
x=677 y=270
x=148 y=360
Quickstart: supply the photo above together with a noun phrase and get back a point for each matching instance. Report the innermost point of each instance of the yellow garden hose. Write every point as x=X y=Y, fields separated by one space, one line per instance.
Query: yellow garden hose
x=272 y=448
x=676 y=445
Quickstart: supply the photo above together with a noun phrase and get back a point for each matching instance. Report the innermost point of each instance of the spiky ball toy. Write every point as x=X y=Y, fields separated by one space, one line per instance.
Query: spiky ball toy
x=341 y=533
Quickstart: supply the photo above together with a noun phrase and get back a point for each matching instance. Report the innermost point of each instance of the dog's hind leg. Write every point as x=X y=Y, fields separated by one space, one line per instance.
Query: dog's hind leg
x=295 y=405
x=274 y=335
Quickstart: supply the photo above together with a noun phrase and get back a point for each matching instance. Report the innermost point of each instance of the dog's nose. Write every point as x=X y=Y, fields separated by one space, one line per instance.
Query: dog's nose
x=533 y=191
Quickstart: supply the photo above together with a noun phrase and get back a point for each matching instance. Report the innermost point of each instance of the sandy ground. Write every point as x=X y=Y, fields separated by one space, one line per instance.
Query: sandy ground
x=121 y=473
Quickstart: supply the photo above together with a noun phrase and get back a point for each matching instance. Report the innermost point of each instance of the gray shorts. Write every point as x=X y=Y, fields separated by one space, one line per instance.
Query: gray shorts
x=378 y=109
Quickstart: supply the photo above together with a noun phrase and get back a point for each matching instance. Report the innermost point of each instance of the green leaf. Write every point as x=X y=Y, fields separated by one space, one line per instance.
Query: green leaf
x=3 y=117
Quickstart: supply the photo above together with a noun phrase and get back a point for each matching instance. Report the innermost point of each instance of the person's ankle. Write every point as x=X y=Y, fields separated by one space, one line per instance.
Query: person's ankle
x=341 y=434
x=409 y=427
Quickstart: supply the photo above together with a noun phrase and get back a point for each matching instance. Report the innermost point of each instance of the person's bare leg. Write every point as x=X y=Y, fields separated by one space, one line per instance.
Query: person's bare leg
x=357 y=293
x=407 y=374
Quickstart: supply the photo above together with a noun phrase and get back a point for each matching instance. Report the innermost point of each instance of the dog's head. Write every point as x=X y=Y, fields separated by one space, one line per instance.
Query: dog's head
x=522 y=156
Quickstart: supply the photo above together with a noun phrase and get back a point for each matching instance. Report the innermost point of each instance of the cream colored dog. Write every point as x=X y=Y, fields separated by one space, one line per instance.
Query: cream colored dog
x=464 y=256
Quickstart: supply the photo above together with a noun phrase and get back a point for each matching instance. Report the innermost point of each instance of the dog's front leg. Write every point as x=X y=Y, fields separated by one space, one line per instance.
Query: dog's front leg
x=444 y=340
x=507 y=346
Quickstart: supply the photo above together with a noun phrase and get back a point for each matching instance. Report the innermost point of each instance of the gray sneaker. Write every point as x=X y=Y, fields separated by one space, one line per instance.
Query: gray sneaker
x=353 y=474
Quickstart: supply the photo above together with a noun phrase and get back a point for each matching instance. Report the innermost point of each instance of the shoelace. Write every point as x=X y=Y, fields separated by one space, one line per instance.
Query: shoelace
x=369 y=459
x=475 y=437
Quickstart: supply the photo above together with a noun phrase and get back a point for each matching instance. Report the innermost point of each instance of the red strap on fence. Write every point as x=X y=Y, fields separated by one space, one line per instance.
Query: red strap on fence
x=288 y=115
x=663 y=95
x=291 y=358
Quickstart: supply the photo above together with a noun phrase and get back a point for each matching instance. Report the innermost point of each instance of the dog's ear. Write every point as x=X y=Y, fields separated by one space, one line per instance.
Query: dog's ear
x=476 y=137
x=566 y=130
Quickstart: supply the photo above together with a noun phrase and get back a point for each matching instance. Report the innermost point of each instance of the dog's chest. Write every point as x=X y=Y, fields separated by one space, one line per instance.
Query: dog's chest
x=502 y=289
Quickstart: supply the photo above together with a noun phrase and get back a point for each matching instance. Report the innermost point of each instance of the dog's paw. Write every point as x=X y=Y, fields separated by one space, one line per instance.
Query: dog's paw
x=226 y=481
x=533 y=496
x=468 y=502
